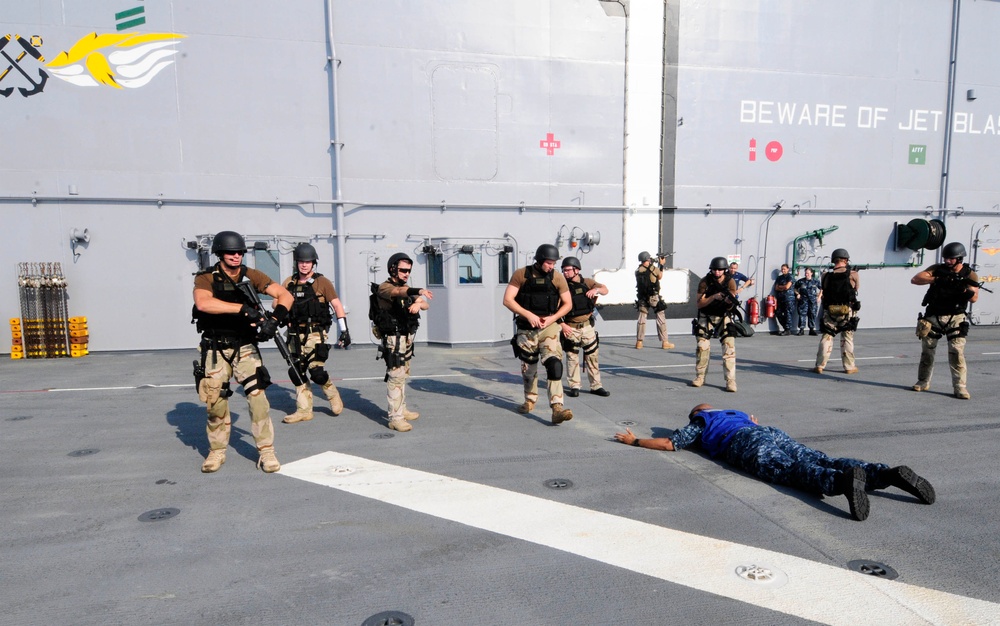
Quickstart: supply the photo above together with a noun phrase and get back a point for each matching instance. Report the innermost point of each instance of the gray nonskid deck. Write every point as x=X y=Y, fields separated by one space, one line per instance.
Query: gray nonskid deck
x=90 y=445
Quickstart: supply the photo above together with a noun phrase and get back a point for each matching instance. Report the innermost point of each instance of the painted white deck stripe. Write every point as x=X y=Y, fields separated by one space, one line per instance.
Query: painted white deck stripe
x=814 y=591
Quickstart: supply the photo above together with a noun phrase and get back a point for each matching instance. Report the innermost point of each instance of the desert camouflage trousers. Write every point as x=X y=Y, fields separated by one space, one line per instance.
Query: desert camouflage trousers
x=303 y=393
x=661 y=319
x=545 y=343
x=956 y=349
x=220 y=367
x=584 y=339
x=703 y=347
x=826 y=341
x=395 y=386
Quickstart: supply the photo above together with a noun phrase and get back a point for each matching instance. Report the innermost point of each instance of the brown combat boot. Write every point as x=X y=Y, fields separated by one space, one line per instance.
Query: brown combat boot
x=298 y=416
x=526 y=408
x=267 y=461
x=336 y=403
x=560 y=414
x=667 y=345
x=962 y=393
x=697 y=382
x=638 y=345
x=731 y=386
x=400 y=425
x=213 y=461
x=921 y=386
x=409 y=415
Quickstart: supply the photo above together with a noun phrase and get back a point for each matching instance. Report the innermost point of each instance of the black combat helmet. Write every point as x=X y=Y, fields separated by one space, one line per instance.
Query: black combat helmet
x=840 y=253
x=546 y=252
x=572 y=261
x=953 y=250
x=305 y=252
x=644 y=256
x=228 y=241
x=719 y=263
x=394 y=260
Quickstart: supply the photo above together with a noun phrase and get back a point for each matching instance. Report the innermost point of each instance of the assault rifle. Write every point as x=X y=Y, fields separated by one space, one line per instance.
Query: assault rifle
x=971 y=283
x=293 y=370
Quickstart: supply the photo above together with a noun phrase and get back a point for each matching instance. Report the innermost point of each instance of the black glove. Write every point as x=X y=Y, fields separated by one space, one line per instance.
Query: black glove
x=250 y=312
x=267 y=329
x=281 y=314
x=344 y=340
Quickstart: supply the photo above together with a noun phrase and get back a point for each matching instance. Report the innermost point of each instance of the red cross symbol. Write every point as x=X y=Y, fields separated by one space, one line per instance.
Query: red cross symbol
x=550 y=144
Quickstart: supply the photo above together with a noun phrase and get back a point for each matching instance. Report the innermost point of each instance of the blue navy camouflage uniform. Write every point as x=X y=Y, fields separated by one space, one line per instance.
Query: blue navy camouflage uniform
x=770 y=454
x=808 y=301
x=786 y=300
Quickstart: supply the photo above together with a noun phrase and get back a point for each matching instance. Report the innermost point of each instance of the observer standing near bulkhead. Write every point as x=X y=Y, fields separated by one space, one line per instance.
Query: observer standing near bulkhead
x=395 y=312
x=539 y=298
x=840 y=307
x=231 y=326
x=953 y=285
x=309 y=324
x=647 y=292
x=578 y=329
x=716 y=302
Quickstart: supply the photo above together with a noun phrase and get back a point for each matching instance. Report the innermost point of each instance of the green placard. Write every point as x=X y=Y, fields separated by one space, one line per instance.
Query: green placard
x=918 y=154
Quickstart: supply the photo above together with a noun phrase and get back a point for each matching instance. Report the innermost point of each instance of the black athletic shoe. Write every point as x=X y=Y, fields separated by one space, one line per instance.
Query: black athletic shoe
x=800 y=333
x=572 y=393
x=906 y=479
x=812 y=332
x=785 y=333
x=601 y=391
x=851 y=483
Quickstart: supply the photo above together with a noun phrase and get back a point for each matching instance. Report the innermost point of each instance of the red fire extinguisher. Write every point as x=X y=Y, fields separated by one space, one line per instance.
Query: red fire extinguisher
x=753 y=311
x=770 y=306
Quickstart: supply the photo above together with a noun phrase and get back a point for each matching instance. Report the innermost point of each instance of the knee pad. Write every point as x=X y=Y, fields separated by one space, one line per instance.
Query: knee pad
x=259 y=380
x=294 y=373
x=319 y=375
x=553 y=368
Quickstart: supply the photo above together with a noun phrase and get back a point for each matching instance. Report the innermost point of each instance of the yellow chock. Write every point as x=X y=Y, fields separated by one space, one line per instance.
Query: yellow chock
x=78 y=320
x=78 y=353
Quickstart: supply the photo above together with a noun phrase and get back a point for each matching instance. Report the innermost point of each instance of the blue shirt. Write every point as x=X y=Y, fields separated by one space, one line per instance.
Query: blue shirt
x=713 y=430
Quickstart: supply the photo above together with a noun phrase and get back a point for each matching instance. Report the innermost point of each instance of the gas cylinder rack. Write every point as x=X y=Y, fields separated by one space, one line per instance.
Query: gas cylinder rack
x=44 y=330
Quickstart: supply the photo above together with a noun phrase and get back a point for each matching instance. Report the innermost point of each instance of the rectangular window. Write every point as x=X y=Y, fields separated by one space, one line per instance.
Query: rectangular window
x=470 y=268
x=266 y=261
x=504 y=258
x=435 y=269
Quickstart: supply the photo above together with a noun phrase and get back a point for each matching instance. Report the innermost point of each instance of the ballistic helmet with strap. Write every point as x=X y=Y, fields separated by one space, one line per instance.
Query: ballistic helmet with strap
x=572 y=261
x=305 y=252
x=644 y=256
x=953 y=250
x=228 y=241
x=719 y=263
x=394 y=260
x=840 y=253
x=546 y=252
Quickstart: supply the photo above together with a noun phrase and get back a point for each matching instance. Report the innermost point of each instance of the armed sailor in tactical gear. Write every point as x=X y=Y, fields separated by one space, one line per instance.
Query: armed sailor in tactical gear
x=309 y=324
x=578 y=329
x=647 y=293
x=716 y=304
x=231 y=327
x=539 y=298
x=395 y=312
x=953 y=285
x=839 y=287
